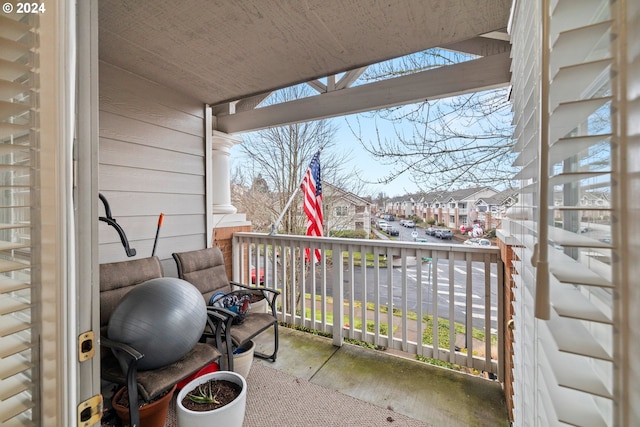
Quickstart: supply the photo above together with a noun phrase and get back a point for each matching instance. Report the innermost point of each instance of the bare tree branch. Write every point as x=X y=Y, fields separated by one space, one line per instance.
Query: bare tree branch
x=280 y=156
x=443 y=144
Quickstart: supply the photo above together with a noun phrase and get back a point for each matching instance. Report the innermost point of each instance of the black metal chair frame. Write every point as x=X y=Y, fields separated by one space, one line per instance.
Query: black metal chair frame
x=128 y=357
x=206 y=270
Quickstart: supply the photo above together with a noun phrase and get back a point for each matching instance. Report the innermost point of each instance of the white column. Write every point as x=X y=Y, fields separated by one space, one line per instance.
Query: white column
x=221 y=172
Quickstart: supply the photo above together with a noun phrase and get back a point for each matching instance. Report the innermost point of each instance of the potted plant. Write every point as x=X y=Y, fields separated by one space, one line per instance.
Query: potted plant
x=218 y=398
x=152 y=414
x=259 y=304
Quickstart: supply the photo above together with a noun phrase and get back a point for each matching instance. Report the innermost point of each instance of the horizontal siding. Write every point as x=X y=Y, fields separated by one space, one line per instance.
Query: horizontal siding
x=142 y=88
x=142 y=228
x=120 y=101
x=119 y=128
x=152 y=158
x=127 y=203
x=149 y=181
x=112 y=252
x=151 y=161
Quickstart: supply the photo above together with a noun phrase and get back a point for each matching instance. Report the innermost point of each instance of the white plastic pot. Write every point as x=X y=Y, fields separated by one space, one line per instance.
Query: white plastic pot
x=259 y=306
x=230 y=415
x=243 y=359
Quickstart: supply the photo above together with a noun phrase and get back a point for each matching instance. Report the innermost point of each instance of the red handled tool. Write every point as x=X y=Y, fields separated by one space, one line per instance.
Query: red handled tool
x=155 y=242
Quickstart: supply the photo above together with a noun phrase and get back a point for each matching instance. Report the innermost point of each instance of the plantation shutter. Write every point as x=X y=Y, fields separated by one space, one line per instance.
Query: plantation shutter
x=562 y=98
x=18 y=213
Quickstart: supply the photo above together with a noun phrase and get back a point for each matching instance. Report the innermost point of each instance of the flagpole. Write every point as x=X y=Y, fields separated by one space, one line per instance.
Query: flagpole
x=275 y=225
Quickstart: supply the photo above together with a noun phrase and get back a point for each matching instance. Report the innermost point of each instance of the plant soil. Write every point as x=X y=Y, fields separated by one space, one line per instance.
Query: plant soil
x=224 y=391
x=255 y=297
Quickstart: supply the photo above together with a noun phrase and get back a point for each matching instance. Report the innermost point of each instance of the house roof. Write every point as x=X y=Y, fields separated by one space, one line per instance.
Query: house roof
x=466 y=193
x=454 y=195
x=499 y=198
x=336 y=192
x=239 y=50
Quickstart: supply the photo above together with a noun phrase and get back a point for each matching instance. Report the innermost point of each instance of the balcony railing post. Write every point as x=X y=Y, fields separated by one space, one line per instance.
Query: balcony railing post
x=236 y=253
x=502 y=354
x=337 y=293
x=430 y=290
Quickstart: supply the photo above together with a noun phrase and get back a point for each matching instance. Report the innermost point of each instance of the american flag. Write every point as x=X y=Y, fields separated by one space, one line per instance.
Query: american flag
x=312 y=194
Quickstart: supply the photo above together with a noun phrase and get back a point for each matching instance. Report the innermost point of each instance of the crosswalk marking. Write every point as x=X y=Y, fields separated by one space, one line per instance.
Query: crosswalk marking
x=478 y=306
x=458 y=294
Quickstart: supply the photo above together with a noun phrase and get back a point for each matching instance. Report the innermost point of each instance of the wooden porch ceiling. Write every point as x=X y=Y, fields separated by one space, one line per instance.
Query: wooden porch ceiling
x=224 y=51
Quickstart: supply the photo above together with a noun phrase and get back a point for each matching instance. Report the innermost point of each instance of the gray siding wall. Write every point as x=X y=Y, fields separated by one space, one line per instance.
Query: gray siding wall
x=151 y=161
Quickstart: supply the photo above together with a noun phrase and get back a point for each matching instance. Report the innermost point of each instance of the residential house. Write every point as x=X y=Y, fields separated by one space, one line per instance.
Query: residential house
x=452 y=207
x=491 y=209
x=597 y=199
x=344 y=210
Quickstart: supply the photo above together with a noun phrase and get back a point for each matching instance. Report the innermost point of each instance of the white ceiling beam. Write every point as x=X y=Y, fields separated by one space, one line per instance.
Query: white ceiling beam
x=345 y=81
x=318 y=86
x=480 y=46
x=467 y=77
x=349 y=78
x=251 y=102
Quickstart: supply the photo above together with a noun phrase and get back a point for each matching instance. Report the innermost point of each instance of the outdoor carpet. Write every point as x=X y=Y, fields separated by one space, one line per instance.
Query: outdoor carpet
x=278 y=399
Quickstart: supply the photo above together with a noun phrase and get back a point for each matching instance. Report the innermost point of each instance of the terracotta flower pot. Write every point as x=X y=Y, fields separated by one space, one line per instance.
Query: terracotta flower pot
x=153 y=414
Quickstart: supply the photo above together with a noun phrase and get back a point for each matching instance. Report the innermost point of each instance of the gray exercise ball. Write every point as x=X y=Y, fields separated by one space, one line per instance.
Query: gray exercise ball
x=161 y=318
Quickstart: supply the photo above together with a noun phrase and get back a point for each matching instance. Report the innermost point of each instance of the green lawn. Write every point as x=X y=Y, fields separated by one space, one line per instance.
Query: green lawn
x=427 y=321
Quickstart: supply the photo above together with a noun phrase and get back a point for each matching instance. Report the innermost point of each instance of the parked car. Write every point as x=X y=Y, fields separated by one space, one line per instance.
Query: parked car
x=409 y=224
x=382 y=223
x=260 y=275
x=474 y=241
x=384 y=226
x=444 y=234
x=484 y=242
x=393 y=231
x=389 y=218
x=431 y=231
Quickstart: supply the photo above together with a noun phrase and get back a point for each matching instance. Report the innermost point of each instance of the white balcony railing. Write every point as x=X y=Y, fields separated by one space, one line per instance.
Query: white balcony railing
x=365 y=275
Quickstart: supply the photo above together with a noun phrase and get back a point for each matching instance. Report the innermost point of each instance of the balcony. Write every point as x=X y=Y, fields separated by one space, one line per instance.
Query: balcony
x=386 y=291
x=326 y=375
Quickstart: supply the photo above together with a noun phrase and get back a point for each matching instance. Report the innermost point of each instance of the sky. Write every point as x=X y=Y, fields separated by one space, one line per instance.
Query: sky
x=370 y=168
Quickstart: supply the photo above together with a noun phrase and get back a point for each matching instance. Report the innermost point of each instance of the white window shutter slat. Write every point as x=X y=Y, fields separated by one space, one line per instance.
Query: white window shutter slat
x=569 y=358
x=18 y=147
x=570 y=146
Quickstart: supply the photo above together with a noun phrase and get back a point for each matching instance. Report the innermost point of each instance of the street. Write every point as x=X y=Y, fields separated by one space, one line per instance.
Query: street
x=459 y=283
x=432 y=271
x=428 y=278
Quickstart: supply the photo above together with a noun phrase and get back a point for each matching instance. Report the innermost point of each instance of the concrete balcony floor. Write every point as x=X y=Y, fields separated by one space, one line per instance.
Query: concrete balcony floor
x=428 y=394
